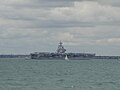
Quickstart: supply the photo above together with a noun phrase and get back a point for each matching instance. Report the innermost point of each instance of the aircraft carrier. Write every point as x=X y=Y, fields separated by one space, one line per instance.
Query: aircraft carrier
x=61 y=54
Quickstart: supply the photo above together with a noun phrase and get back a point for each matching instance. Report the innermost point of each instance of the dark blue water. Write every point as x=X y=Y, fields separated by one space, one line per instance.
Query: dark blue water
x=20 y=74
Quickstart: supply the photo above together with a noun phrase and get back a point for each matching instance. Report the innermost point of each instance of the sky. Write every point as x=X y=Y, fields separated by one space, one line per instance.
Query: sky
x=85 y=26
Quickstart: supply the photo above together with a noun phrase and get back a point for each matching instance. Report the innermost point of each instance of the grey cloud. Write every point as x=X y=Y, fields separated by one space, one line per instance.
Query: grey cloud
x=110 y=2
x=58 y=24
x=73 y=16
x=87 y=25
x=44 y=3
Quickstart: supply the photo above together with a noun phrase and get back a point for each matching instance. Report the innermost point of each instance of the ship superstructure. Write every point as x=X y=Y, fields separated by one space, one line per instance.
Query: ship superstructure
x=61 y=49
x=61 y=55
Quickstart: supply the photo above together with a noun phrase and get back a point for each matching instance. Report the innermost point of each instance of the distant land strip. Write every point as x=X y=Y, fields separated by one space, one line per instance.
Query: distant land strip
x=14 y=56
x=28 y=56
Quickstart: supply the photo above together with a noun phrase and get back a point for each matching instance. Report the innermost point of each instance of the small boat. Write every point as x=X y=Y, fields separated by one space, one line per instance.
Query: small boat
x=66 y=57
x=27 y=58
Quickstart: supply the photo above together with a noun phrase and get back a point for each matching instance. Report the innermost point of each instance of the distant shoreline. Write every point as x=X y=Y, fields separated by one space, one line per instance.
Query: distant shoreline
x=13 y=56
x=28 y=56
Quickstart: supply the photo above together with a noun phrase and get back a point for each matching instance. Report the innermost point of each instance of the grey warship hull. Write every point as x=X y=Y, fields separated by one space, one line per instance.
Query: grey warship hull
x=56 y=56
x=60 y=55
x=70 y=56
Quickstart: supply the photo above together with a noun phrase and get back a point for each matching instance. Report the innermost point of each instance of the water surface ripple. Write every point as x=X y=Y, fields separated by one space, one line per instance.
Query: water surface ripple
x=20 y=74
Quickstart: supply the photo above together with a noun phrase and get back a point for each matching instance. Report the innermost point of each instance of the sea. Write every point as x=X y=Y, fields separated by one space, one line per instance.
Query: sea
x=22 y=74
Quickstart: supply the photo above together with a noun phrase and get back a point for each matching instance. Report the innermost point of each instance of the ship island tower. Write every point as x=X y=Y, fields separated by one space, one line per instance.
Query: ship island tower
x=61 y=49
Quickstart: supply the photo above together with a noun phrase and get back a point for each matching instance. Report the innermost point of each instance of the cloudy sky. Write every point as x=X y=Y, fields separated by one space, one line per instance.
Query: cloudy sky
x=38 y=25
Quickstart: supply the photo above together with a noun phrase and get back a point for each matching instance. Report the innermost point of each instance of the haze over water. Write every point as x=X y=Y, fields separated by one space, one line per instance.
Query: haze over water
x=20 y=74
